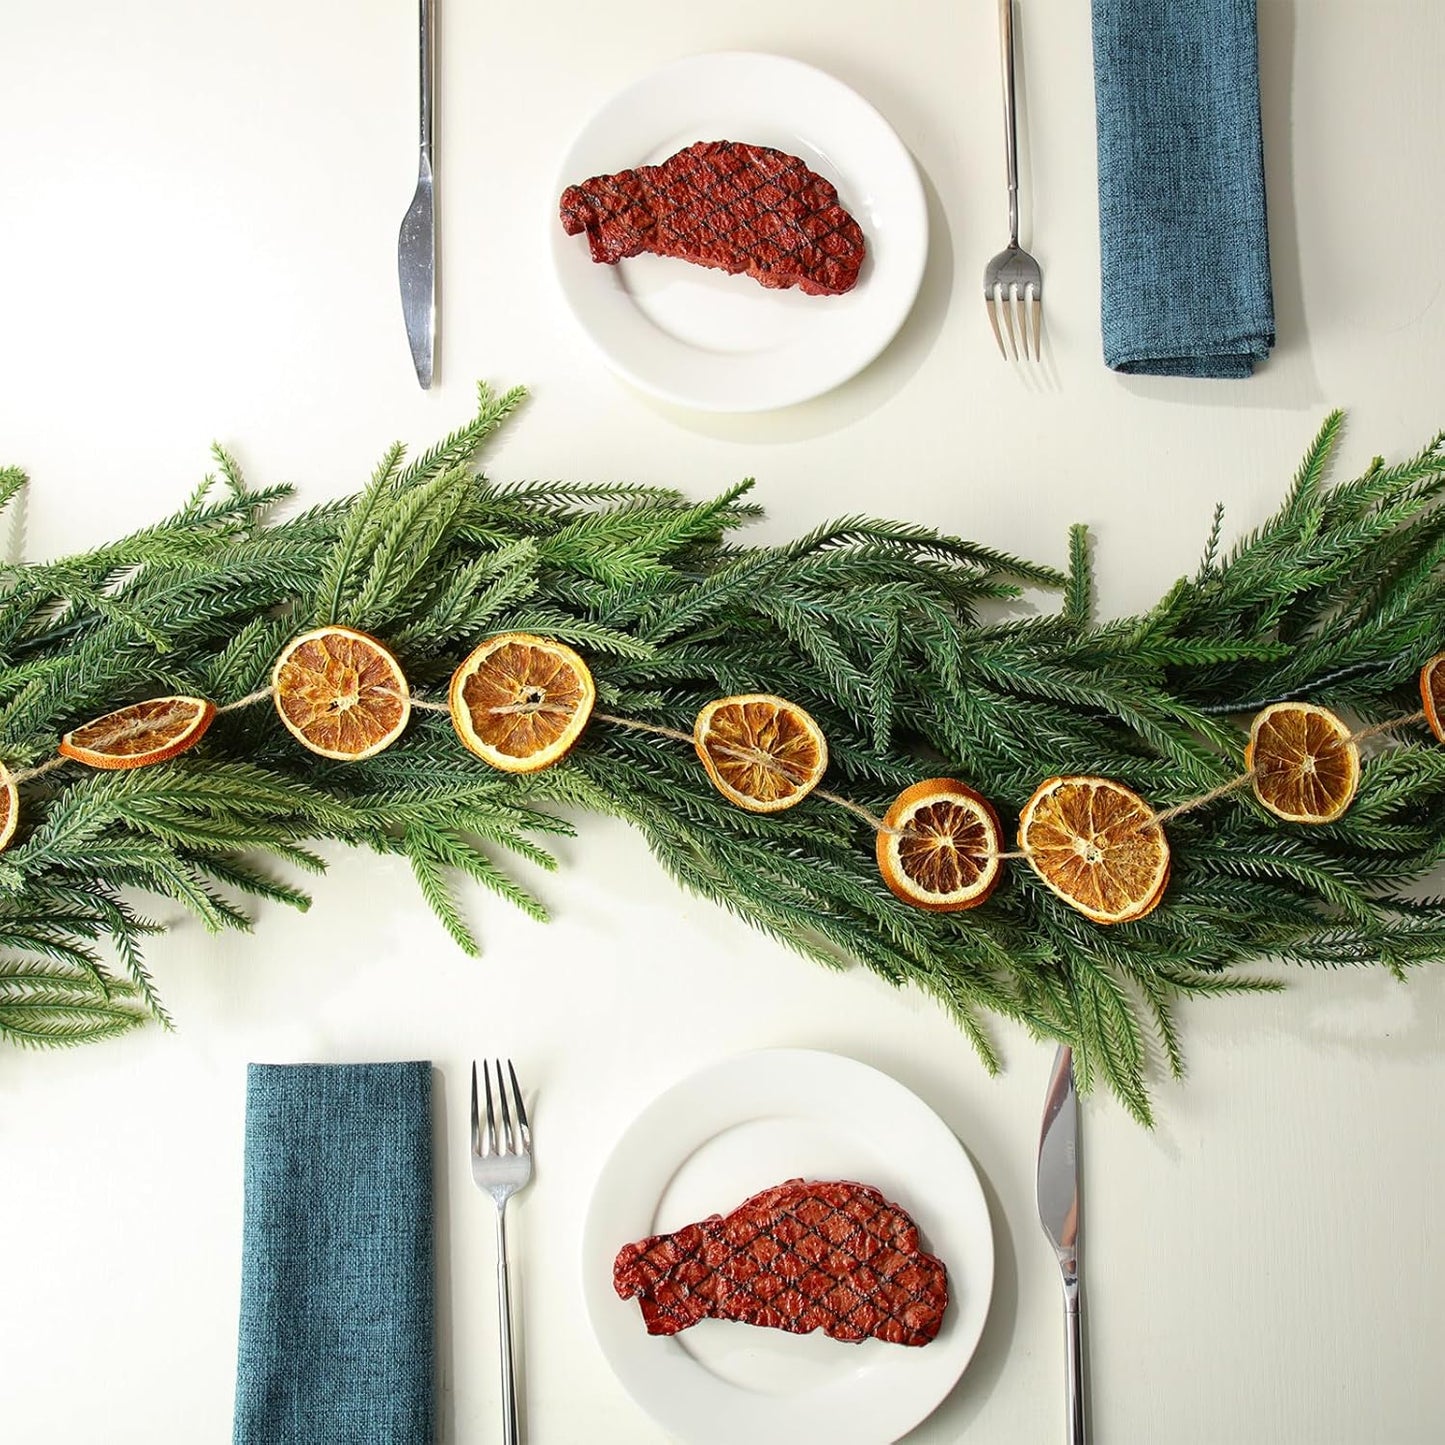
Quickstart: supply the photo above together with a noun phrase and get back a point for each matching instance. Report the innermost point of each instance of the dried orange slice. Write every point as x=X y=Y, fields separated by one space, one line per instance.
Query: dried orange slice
x=1095 y=843
x=9 y=806
x=1306 y=767
x=341 y=693
x=520 y=702
x=762 y=752
x=939 y=846
x=143 y=733
x=1432 y=694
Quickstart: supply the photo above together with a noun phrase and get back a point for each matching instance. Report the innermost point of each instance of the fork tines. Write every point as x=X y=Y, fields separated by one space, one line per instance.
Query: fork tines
x=487 y=1138
x=1020 y=304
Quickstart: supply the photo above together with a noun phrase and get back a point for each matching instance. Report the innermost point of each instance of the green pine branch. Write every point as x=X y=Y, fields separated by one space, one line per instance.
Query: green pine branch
x=909 y=647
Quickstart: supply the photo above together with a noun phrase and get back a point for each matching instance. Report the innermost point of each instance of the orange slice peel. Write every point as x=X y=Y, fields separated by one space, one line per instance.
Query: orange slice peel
x=143 y=733
x=520 y=702
x=763 y=753
x=1304 y=766
x=939 y=847
x=1095 y=844
x=341 y=693
x=9 y=807
x=1432 y=694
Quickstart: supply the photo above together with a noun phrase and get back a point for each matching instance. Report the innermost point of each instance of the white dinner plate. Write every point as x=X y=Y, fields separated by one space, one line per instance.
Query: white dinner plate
x=724 y=1134
x=716 y=342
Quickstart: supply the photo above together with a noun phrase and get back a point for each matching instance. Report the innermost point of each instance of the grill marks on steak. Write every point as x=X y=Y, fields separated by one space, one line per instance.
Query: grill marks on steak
x=736 y=207
x=834 y=1256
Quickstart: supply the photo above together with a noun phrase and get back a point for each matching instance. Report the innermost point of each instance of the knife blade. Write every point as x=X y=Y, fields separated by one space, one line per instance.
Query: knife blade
x=416 y=247
x=1061 y=1214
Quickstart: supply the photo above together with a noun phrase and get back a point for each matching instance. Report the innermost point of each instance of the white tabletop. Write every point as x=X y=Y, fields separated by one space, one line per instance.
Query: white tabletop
x=198 y=216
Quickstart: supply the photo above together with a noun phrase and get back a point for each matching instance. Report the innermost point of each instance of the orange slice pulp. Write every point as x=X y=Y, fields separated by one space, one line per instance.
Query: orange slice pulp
x=939 y=846
x=1306 y=767
x=521 y=702
x=762 y=752
x=341 y=693
x=143 y=733
x=1095 y=844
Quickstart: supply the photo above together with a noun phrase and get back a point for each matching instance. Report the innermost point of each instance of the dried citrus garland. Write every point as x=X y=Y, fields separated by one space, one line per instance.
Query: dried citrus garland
x=762 y=753
x=1098 y=845
x=1432 y=694
x=521 y=702
x=144 y=733
x=1304 y=764
x=9 y=806
x=341 y=693
x=939 y=846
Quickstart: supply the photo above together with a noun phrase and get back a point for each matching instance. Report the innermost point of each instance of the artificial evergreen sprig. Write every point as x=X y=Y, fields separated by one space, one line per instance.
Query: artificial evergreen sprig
x=898 y=641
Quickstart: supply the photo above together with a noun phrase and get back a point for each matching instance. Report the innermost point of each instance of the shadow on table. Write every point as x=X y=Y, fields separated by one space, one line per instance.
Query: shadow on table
x=976 y=1384
x=1288 y=377
x=446 y=1403
x=1364 y=1015
x=963 y=1403
x=866 y=392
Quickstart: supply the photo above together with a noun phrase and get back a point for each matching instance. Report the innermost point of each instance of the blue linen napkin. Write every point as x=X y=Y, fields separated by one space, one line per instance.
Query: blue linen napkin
x=1183 y=241
x=336 y=1266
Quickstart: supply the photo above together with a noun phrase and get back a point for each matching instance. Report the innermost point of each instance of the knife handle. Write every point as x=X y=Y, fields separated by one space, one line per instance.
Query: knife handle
x=425 y=28
x=1074 y=1350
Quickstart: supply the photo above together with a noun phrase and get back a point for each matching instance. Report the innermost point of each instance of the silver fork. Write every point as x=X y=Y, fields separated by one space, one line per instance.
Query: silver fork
x=501 y=1165
x=1013 y=284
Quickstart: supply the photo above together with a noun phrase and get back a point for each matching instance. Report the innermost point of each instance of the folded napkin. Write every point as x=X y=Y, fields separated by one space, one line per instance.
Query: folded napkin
x=1183 y=241
x=336 y=1263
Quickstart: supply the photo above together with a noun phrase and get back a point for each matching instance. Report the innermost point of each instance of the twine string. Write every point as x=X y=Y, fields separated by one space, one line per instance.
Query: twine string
x=250 y=700
x=1156 y=818
x=873 y=821
x=38 y=771
x=554 y=709
x=1389 y=725
x=758 y=758
x=1190 y=804
x=658 y=728
x=766 y=761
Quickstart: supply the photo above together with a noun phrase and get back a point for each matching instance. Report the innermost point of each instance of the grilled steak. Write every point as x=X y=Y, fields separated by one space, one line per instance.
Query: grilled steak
x=725 y=204
x=800 y=1256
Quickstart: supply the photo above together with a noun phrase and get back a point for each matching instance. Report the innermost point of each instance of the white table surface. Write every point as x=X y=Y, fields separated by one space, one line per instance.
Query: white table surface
x=198 y=213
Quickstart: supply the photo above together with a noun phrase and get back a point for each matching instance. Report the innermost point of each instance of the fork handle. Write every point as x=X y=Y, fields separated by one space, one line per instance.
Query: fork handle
x=504 y=1314
x=1010 y=127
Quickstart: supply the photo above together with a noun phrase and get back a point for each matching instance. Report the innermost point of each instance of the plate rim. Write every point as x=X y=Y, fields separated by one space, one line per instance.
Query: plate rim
x=598 y=1292
x=906 y=269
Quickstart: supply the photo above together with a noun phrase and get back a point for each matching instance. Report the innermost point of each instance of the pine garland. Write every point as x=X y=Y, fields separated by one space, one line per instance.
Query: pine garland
x=896 y=639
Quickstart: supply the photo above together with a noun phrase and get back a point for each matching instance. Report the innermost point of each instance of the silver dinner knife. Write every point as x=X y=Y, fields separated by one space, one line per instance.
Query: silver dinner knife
x=416 y=249
x=1061 y=1214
